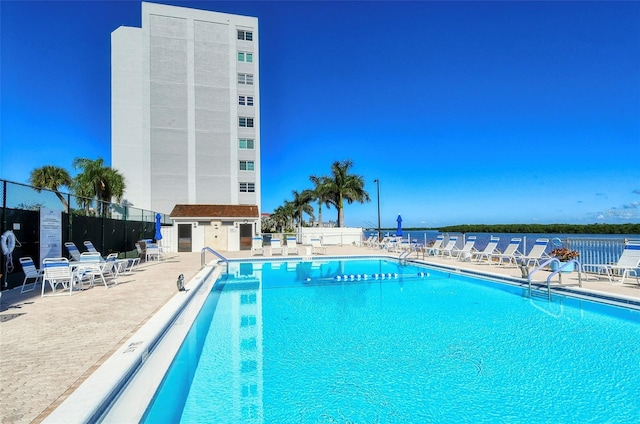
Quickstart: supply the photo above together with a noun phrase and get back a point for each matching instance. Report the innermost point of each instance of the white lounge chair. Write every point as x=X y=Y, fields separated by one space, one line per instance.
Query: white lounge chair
x=73 y=250
x=276 y=247
x=56 y=272
x=256 y=246
x=90 y=247
x=292 y=245
x=537 y=252
x=490 y=250
x=434 y=249
x=511 y=253
x=317 y=247
x=451 y=245
x=628 y=263
x=467 y=250
x=30 y=272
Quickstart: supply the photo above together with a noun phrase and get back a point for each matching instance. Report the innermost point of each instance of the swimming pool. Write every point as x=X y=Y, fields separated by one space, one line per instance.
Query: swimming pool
x=386 y=342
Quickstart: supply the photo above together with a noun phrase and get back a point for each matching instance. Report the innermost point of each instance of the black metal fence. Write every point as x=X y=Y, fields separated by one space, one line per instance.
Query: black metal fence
x=118 y=231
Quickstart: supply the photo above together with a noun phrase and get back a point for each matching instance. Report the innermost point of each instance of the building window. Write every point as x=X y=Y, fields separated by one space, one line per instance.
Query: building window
x=246 y=143
x=245 y=100
x=245 y=57
x=247 y=165
x=245 y=79
x=245 y=122
x=245 y=35
x=247 y=187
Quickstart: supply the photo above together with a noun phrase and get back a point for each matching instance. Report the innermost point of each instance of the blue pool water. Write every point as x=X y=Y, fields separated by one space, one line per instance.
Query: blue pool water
x=285 y=342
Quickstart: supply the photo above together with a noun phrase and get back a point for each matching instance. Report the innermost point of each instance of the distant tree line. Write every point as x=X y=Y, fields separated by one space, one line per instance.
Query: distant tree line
x=539 y=228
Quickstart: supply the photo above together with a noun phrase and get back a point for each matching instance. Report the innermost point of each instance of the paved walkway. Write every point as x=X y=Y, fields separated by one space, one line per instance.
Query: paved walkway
x=48 y=346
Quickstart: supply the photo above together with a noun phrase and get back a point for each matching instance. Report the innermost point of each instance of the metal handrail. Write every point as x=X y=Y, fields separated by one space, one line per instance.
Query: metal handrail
x=561 y=266
x=208 y=249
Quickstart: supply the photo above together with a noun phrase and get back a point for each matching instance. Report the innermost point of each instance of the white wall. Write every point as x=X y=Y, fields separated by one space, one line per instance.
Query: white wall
x=332 y=236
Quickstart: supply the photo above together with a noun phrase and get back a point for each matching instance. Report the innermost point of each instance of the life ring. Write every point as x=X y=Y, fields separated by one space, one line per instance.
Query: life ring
x=8 y=242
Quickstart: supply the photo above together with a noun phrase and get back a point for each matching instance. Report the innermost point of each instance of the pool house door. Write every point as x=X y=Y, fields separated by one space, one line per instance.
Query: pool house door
x=184 y=237
x=246 y=234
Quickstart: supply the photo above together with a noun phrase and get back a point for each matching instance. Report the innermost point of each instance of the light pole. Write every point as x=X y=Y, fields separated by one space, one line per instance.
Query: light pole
x=379 y=232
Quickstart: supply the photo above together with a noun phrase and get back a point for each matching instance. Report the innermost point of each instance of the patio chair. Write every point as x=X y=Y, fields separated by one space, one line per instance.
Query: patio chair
x=90 y=266
x=57 y=272
x=292 y=245
x=538 y=252
x=152 y=252
x=256 y=246
x=30 y=272
x=628 y=263
x=467 y=250
x=434 y=249
x=276 y=247
x=448 y=249
x=511 y=253
x=490 y=249
x=73 y=250
x=317 y=247
x=141 y=252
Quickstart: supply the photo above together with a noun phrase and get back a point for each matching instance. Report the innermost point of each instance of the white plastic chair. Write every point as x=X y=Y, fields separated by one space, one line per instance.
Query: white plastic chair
x=537 y=252
x=276 y=247
x=30 y=272
x=73 y=250
x=292 y=245
x=450 y=247
x=490 y=250
x=57 y=272
x=628 y=263
x=511 y=253
x=152 y=252
x=256 y=246
x=317 y=246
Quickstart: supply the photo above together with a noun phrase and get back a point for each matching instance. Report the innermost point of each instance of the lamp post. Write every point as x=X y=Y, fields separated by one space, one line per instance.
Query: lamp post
x=379 y=232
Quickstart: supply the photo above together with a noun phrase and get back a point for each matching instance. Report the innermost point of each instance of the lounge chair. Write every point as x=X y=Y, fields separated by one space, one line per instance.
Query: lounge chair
x=292 y=245
x=467 y=250
x=30 y=272
x=89 y=246
x=449 y=248
x=490 y=249
x=628 y=263
x=256 y=246
x=73 y=250
x=538 y=252
x=276 y=247
x=317 y=247
x=434 y=249
x=511 y=253
x=57 y=272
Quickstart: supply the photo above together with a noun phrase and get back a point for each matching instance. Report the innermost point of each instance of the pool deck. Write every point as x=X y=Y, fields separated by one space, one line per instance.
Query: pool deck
x=50 y=345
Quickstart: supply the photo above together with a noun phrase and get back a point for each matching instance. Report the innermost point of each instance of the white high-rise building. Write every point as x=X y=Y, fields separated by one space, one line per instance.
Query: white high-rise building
x=186 y=109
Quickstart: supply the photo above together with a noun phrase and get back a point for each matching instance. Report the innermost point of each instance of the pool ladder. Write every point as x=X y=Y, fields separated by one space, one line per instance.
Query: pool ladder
x=208 y=249
x=561 y=266
x=405 y=254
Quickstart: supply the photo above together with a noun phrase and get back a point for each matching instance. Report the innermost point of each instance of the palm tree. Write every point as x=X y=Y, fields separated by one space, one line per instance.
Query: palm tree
x=343 y=186
x=99 y=182
x=321 y=194
x=283 y=216
x=52 y=178
x=301 y=205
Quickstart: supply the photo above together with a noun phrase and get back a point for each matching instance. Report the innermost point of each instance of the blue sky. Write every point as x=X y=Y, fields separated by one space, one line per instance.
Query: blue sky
x=467 y=112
